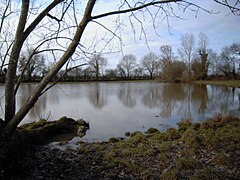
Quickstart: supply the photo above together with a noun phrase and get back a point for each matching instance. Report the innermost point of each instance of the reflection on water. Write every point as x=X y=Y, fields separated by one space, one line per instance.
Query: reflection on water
x=96 y=95
x=115 y=108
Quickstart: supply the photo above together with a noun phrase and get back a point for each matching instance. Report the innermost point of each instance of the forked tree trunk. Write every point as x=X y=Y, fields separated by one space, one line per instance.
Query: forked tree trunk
x=15 y=120
x=20 y=36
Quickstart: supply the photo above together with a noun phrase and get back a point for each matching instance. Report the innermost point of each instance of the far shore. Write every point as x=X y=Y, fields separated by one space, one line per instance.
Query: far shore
x=228 y=83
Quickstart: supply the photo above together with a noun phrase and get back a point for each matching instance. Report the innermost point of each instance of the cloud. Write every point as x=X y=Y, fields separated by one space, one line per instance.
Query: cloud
x=221 y=28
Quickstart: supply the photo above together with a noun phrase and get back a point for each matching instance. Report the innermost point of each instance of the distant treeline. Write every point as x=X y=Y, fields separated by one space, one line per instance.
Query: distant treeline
x=192 y=63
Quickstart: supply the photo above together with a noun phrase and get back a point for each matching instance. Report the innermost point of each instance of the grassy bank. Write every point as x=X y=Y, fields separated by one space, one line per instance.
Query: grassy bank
x=210 y=150
x=229 y=83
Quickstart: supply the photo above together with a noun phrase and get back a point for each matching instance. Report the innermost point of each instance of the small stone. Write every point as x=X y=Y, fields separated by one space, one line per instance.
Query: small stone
x=127 y=134
x=152 y=130
x=112 y=140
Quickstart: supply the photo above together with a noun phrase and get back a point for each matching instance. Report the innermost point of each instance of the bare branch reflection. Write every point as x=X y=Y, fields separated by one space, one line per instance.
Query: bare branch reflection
x=200 y=98
x=127 y=95
x=171 y=96
x=96 y=95
x=153 y=96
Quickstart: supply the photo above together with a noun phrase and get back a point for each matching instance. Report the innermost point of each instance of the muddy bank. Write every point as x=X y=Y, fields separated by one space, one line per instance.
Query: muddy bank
x=30 y=136
x=210 y=150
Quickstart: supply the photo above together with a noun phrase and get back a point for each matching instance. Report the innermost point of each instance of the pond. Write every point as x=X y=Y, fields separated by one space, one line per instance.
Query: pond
x=113 y=108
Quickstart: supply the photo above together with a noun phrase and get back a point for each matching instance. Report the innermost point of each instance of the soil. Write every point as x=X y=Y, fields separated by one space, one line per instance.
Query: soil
x=52 y=162
x=210 y=150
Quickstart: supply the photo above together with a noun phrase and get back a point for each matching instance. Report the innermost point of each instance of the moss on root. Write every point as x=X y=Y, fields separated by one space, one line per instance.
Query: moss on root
x=42 y=131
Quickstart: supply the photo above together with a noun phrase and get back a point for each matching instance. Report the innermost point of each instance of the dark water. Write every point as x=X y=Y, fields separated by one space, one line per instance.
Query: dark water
x=115 y=108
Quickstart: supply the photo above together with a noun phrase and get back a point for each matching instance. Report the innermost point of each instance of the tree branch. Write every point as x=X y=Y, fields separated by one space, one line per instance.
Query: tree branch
x=134 y=8
x=5 y=15
x=45 y=12
x=17 y=118
x=233 y=8
x=53 y=17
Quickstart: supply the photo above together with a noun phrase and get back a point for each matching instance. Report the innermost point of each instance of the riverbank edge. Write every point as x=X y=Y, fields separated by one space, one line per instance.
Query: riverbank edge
x=209 y=150
x=227 y=83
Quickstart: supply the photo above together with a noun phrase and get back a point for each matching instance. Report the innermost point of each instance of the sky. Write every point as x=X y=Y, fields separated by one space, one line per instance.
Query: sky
x=222 y=28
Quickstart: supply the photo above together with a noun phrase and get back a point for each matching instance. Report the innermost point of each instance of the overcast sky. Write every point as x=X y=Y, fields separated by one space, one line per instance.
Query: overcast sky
x=221 y=28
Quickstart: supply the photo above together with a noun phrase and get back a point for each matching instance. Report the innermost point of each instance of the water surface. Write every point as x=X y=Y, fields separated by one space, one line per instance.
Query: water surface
x=113 y=108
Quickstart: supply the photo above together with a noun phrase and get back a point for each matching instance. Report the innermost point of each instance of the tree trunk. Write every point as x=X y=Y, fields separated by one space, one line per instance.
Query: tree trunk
x=20 y=36
x=12 y=67
x=11 y=126
x=97 y=71
x=151 y=75
x=233 y=72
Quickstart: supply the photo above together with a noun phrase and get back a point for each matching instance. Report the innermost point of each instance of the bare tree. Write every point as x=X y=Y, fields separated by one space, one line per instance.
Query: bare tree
x=167 y=52
x=203 y=43
x=127 y=64
x=121 y=71
x=212 y=60
x=138 y=71
x=229 y=58
x=204 y=58
x=87 y=73
x=150 y=63
x=186 y=50
x=22 y=33
x=58 y=28
x=168 y=64
x=111 y=74
x=31 y=63
x=171 y=69
x=97 y=64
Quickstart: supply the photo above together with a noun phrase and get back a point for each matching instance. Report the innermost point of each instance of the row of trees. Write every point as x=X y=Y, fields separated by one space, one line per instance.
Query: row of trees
x=192 y=63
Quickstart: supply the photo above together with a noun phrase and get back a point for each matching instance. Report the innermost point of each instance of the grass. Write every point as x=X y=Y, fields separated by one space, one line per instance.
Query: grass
x=208 y=150
x=229 y=83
